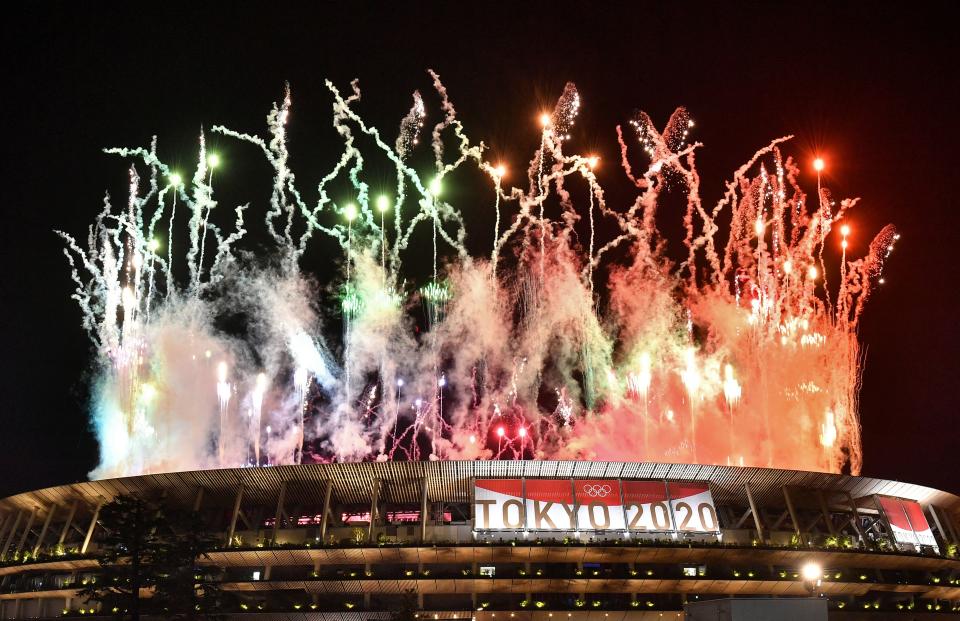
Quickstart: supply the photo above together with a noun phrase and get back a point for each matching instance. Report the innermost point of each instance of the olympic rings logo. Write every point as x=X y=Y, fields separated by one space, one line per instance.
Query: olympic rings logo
x=597 y=491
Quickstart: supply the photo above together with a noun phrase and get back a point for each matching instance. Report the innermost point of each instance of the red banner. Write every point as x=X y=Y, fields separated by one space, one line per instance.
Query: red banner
x=598 y=504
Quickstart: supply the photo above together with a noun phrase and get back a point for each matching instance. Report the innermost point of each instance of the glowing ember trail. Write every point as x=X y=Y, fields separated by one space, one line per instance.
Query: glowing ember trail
x=573 y=336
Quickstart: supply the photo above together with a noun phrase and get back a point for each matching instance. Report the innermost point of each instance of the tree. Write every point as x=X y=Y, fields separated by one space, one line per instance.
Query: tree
x=127 y=555
x=407 y=610
x=184 y=589
x=149 y=549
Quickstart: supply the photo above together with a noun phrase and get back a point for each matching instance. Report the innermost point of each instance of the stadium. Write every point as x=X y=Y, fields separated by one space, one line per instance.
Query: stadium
x=484 y=400
x=524 y=540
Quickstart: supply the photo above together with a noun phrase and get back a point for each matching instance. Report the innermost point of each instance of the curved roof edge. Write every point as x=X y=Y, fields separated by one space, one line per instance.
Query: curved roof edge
x=450 y=481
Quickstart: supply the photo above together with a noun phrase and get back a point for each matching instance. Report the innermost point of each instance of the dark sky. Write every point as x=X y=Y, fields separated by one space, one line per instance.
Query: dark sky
x=874 y=88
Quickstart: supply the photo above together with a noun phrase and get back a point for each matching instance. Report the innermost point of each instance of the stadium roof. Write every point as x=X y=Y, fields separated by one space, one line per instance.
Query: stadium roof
x=450 y=481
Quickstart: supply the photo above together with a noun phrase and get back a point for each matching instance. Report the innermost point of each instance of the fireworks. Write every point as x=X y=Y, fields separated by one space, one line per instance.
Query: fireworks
x=545 y=347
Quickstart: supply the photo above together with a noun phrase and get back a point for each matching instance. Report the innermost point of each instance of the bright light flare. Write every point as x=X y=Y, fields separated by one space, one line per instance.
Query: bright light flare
x=350 y=212
x=731 y=387
x=501 y=431
x=175 y=180
x=811 y=572
x=383 y=203
x=545 y=120
x=500 y=171
x=828 y=430
x=819 y=164
x=593 y=161
x=213 y=160
x=436 y=186
x=147 y=392
x=690 y=375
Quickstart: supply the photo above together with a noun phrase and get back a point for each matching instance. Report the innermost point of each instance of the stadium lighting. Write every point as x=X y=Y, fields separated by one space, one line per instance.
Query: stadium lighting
x=811 y=574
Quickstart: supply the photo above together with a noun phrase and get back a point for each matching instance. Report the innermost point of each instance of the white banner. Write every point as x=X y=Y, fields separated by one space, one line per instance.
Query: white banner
x=498 y=504
x=549 y=504
x=693 y=508
x=593 y=505
x=646 y=506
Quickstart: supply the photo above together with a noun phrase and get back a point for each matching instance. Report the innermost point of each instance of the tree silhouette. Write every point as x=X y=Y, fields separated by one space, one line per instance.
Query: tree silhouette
x=128 y=553
x=149 y=558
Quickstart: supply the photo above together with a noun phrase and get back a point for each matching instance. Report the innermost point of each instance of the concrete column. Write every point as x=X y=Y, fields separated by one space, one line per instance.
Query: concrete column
x=43 y=531
x=528 y=595
x=374 y=503
x=198 y=500
x=279 y=513
x=26 y=532
x=792 y=510
x=753 y=509
x=325 y=518
x=68 y=523
x=856 y=516
x=419 y=577
x=826 y=513
x=90 y=529
x=943 y=525
x=11 y=535
x=475 y=574
x=233 y=516
x=4 y=523
x=424 y=511
x=366 y=594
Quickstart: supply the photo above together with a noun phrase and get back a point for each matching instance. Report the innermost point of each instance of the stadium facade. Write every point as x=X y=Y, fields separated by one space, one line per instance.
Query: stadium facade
x=513 y=540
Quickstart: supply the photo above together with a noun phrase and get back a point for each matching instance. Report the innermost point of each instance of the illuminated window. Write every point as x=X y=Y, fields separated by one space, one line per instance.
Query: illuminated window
x=256 y=575
x=489 y=571
x=690 y=572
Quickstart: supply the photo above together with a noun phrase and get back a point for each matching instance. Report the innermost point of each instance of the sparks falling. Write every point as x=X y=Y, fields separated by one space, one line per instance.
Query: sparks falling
x=545 y=346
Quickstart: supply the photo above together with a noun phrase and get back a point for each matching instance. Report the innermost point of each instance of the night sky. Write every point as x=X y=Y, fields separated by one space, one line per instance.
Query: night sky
x=873 y=89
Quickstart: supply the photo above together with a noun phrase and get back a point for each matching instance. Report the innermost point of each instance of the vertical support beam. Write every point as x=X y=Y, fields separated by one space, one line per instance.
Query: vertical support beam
x=26 y=532
x=279 y=513
x=5 y=524
x=950 y=524
x=753 y=510
x=374 y=504
x=43 y=531
x=856 y=515
x=11 y=535
x=526 y=567
x=886 y=522
x=826 y=513
x=945 y=534
x=424 y=513
x=366 y=594
x=93 y=525
x=198 y=500
x=325 y=518
x=791 y=509
x=475 y=574
x=233 y=516
x=68 y=523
